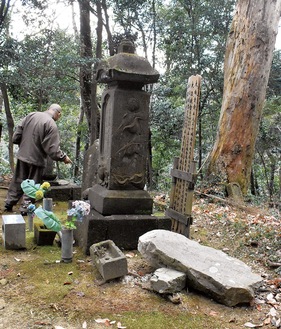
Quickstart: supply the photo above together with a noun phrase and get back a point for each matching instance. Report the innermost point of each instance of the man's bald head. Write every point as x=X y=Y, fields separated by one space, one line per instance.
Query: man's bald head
x=55 y=111
x=55 y=107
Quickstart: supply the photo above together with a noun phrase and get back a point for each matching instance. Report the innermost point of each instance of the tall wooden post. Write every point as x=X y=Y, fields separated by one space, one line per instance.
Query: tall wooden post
x=183 y=172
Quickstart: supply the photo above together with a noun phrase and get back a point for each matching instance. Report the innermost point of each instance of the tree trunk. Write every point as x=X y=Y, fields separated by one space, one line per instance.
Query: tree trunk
x=248 y=58
x=10 y=124
x=78 y=145
x=107 y=28
x=1 y=109
x=98 y=54
x=4 y=8
x=271 y=180
x=253 y=187
x=86 y=54
x=279 y=193
x=75 y=30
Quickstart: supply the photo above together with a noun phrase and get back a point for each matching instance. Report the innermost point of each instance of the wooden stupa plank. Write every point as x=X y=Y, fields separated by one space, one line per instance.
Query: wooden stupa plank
x=182 y=188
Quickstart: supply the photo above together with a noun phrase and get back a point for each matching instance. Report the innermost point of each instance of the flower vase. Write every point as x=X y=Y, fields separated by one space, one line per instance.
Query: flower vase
x=66 y=245
x=48 y=204
x=30 y=222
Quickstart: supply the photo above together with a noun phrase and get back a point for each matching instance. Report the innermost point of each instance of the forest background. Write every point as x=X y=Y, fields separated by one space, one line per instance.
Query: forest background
x=44 y=61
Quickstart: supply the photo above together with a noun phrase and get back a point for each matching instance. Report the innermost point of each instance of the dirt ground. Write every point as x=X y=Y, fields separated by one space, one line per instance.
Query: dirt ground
x=37 y=291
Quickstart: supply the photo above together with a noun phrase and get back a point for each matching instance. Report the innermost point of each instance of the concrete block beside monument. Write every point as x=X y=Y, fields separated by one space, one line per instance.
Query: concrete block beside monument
x=13 y=232
x=109 y=259
x=226 y=279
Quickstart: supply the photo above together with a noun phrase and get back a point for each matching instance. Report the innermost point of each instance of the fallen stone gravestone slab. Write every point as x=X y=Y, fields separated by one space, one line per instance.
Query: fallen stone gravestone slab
x=226 y=279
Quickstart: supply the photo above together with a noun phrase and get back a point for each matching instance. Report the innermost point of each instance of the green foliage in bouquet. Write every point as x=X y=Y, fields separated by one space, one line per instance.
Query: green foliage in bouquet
x=33 y=190
x=49 y=219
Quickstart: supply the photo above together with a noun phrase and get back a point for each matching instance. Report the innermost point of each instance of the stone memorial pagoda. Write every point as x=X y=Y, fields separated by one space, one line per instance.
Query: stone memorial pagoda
x=121 y=208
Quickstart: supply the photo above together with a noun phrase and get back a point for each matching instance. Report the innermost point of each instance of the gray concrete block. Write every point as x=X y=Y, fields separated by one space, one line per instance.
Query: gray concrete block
x=167 y=281
x=109 y=260
x=13 y=232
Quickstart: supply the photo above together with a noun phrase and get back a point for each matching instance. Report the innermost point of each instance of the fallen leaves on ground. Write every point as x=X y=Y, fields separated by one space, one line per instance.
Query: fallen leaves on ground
x=253 y=236
x=252 y=325
x=109 y=323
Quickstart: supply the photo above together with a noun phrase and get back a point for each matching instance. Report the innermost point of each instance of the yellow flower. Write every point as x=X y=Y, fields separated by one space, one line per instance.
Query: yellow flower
x=39 y=195
x=45 y=186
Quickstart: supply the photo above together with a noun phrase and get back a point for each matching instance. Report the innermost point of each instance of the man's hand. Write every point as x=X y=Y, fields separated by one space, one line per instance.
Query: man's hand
x=67 y=160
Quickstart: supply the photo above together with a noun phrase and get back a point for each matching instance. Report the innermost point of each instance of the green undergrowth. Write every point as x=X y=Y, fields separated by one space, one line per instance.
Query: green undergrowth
x=56 y=290
x=51 y=281
x=71 y=291
x=40 y=269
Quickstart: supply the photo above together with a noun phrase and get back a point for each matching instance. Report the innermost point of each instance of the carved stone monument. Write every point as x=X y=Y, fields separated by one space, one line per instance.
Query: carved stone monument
x=124 y=135
x=119 y=203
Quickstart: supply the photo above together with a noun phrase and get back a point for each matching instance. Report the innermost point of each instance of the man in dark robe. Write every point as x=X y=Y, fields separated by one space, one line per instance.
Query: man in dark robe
x=38 y=137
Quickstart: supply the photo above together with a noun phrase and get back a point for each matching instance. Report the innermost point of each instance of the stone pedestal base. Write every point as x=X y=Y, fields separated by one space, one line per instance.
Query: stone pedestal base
x=107 y=202
x=123 y=230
